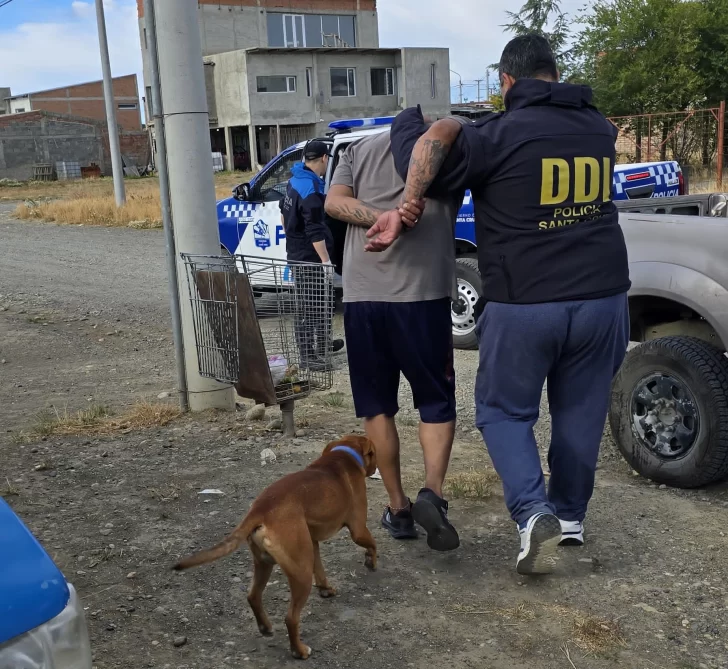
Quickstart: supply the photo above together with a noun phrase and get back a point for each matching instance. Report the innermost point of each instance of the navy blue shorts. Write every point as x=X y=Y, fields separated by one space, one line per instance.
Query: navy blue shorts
x=385 y=339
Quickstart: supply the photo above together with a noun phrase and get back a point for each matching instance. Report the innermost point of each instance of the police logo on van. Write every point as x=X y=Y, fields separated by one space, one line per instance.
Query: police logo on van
x=261 y=234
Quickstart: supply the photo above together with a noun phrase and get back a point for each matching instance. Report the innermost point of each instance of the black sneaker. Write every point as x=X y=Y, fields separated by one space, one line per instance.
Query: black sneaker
x=400 y=525
x=334 y=347
x=430 y=513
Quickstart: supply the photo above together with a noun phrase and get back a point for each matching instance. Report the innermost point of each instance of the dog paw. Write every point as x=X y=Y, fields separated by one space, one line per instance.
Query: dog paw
x=327 y=593
x=265 y=631
x=303 y=653
x=370 y=562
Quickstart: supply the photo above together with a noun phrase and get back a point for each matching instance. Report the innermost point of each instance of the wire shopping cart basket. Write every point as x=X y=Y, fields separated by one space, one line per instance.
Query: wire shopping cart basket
x=274 y=350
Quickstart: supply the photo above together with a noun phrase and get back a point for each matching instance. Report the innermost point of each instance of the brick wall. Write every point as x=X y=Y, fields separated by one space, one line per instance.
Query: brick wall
x=306 y=5
x=135 y=147
x=87 y=100
x=41 y=137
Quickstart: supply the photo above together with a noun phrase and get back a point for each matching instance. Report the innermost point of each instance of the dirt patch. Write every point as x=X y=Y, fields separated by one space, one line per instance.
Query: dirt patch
x=116 y=510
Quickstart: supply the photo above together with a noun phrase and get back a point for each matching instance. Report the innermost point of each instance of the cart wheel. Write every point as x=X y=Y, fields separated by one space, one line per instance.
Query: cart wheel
x=287 y=418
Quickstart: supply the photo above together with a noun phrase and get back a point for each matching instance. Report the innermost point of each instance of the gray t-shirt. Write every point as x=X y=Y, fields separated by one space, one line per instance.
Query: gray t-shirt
x=420 y=265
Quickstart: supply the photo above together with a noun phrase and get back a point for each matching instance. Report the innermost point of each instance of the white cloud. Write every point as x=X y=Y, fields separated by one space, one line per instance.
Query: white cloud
x=82 y=9
x=37 y=55
x=470 y=28
x=63 y=49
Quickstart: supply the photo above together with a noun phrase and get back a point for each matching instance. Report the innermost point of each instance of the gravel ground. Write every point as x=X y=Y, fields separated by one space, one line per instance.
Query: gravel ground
x=83 y=320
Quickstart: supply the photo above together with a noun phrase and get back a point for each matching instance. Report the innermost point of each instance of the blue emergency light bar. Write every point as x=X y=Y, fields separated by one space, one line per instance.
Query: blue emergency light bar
x=349 y=124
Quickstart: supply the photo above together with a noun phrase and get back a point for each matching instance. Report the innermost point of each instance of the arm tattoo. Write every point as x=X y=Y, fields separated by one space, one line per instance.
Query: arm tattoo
x=428 y=157
x=354 y=212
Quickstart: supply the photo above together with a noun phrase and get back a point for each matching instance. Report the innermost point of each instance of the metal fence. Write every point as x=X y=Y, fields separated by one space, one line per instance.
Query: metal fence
x=694 y=138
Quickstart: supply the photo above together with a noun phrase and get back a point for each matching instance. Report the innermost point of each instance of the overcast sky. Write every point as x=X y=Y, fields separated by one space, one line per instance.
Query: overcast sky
x=48 y=43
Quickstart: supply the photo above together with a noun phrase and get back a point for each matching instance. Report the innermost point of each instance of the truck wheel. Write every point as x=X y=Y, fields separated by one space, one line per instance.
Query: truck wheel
x=669 y=412
x=463 y=311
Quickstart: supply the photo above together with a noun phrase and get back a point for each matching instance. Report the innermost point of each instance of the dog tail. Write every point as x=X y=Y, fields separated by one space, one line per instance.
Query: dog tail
x=228 y=545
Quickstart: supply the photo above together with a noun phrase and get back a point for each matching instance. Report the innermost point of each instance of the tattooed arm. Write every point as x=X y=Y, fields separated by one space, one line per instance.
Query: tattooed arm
x=343 y=206
x=428 y=156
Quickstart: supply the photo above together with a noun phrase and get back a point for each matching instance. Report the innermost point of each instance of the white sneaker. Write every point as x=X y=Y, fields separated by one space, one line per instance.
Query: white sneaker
x=572 y=533
x=539 y=540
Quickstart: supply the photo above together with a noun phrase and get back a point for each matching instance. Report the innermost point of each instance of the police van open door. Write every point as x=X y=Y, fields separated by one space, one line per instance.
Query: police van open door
x=251 y=225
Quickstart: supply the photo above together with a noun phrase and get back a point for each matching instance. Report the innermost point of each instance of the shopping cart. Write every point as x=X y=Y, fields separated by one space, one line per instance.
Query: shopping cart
x=274 y=350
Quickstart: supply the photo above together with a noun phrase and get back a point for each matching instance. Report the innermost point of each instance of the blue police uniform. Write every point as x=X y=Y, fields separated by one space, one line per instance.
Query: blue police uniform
x=304 y=221
x=555 y=278
x=304 y=218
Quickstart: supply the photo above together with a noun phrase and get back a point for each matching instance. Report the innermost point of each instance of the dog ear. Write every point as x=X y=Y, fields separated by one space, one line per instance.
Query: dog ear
x=370 y=456
x=367 y=449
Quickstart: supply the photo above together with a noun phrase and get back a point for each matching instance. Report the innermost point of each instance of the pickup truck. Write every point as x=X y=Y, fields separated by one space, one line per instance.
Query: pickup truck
x=42 y=624
x=250 y=224
x=669 y=410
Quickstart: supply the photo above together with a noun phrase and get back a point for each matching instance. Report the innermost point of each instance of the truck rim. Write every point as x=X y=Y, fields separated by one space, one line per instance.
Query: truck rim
x=665 y=416
x=464 y=323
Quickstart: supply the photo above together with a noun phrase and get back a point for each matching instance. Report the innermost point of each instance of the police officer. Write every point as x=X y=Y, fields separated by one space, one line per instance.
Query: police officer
x=309 y=240
x=555 y=278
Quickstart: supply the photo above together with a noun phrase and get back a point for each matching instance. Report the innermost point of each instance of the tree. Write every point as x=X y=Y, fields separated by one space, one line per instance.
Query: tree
x=545 y=18
x=713 y=53
x=642 y=56
x=496 y=99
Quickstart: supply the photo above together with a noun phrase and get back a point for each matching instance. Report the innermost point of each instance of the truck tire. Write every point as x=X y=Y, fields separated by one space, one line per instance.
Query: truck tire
x=463 y=312
x=669 y=412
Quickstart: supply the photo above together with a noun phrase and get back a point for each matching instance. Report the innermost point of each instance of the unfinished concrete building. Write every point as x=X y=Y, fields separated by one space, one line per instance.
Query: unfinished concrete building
x=278 y=71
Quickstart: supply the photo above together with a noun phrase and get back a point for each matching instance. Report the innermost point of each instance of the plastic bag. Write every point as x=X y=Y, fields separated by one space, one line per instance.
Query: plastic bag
x=278 y=368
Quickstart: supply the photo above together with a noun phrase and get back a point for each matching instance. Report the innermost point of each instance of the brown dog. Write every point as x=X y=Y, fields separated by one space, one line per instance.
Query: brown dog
x=288 y=520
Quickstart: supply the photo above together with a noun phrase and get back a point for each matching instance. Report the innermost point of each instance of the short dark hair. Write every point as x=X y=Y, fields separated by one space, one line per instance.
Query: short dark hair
x=528 y=57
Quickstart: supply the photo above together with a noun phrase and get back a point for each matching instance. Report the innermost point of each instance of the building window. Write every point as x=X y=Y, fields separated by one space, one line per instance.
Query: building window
x=126 y=106
x=309 y=81
x=433 y=81
x=343 y=82
x=383 y=81
x=20 y=110
x=276 y=84
x=311 y=30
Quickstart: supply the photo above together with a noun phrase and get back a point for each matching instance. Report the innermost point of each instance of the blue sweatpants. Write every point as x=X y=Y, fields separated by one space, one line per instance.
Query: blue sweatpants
x=577 y=348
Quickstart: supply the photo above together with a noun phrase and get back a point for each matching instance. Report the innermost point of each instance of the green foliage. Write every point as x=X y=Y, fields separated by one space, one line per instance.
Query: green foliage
x=545 y=18
x=644 y=56
x=497 y=101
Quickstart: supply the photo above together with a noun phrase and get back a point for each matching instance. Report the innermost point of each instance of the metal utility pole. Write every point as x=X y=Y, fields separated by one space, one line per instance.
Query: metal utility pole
x=163 y=171
x=461 y=85
x=117 y=169
x=477 y=81
x=189 y=158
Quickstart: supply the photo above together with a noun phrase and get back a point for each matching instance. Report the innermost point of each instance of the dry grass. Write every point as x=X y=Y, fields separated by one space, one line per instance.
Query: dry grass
x=91 y=201
x=589 y=633
x=9 y=490
x=474 y=484
x=99 y=420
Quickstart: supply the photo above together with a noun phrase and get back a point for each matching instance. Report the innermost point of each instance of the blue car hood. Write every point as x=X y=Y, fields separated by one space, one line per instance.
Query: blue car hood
x=32 y=589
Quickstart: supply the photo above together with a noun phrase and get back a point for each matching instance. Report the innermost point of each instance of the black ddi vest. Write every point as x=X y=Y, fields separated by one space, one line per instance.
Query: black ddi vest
x=546 y=227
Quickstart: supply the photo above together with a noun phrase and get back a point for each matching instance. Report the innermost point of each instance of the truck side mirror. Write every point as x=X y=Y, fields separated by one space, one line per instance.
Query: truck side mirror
x=242 y=192
x=718 y=205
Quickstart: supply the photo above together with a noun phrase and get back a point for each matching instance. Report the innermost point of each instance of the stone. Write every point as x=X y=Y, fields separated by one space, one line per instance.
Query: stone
x=256 y=413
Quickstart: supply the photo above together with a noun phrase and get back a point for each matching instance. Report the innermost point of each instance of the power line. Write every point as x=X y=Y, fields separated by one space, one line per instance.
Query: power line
x=5 y=2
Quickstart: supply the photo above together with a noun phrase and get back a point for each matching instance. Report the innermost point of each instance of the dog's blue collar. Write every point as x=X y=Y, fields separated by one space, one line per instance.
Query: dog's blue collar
x=352 y=453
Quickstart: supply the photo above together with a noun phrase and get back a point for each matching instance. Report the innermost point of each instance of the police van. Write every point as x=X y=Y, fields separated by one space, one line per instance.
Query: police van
x=250 y=221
